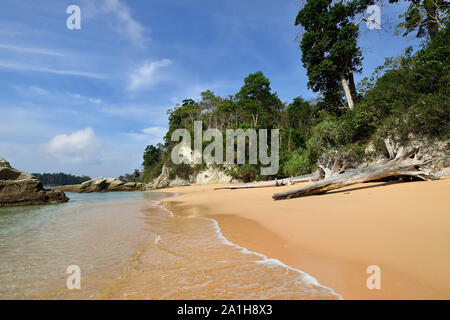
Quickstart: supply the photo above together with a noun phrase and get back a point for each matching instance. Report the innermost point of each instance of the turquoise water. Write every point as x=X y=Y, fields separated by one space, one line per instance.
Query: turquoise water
x=127 y=247
x=97 y=232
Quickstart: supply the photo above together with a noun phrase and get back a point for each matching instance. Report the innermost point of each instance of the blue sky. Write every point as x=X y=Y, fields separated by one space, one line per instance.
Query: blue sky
x=88 y=101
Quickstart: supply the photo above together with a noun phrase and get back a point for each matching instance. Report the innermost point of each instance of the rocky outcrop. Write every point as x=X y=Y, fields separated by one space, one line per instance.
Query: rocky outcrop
x=211 y=175
x=165 y=181
x=19 y=188
x=103 y=185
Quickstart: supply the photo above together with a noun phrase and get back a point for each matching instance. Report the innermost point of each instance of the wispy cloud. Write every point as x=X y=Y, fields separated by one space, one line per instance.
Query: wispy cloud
x=23 y=67
x=39 y=91
x=34 y=90
x=81 y=97
x=146 y=75
x=151 y=134
x=32 y=50
x=123 y=21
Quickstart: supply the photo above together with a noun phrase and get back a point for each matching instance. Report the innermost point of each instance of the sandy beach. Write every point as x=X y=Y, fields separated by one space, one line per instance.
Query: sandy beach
x=404 y=228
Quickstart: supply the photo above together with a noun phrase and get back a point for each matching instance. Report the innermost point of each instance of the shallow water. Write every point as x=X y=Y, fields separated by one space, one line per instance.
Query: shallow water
x=128 y=247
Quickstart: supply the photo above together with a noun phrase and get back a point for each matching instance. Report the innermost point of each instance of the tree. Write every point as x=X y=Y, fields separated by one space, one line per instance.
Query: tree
x=256 y=98
x=329 y=46
x=182 y=117
x=60 y=179
x=152 y=155
x=297 y=117
x=425 y=16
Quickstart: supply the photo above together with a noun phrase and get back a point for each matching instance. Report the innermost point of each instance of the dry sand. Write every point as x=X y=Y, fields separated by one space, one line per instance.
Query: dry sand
x=404 y=228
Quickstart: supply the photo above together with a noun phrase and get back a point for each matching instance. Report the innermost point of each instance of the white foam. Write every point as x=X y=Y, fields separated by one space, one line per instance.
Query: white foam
x=305 y=278
x=158 y=204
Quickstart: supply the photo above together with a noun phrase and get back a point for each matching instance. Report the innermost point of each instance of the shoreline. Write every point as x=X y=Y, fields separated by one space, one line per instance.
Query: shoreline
x=307 y=277
x=327 y=238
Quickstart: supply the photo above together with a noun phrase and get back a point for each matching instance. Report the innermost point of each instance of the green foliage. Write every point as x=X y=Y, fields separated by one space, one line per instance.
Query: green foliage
x=407 y=95
x=329 y=45
x=152 y=155
x=136 y=176
x=298 y=163
x=362 y=120
x=183 y=171
x=256 y=103
x=60 y=179
x=328 y=134
x=410 y=97
x=153 y=172
x=245 y=172
x=425 y=16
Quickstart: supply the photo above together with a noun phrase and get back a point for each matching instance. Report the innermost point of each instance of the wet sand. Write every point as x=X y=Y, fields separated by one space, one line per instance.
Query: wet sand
x=404 y=228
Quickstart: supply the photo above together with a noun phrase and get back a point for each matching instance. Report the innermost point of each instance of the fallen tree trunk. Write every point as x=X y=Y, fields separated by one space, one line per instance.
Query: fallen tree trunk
x=275 y=183
x=404 y=164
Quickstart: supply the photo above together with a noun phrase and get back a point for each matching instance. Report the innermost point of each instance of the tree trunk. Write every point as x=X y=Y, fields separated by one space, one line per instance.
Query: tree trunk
x=347 y=91
x=404 y=164
x=351 y=81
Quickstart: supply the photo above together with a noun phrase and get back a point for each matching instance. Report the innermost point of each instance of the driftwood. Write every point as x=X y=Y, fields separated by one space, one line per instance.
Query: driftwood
x=443 y=174
x=275 y=183
x=400 y=164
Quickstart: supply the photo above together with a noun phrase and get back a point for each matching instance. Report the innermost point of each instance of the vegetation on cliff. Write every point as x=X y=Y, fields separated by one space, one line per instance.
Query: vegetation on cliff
x=406 y=98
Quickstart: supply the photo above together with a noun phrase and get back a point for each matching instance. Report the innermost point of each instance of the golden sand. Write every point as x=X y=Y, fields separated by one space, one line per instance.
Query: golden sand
x=404 y=228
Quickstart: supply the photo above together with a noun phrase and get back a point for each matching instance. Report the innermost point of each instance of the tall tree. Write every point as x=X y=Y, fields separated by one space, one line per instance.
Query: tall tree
x=425 y=16
x=329 y=47
x=256 y=97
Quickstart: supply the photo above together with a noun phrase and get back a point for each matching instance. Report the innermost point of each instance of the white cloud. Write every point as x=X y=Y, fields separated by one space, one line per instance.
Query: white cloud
x=34 y=90
x=78 y=147
x=152 y=135
x=119 y=17
x=155 y=131
x=34 y=68
x=33 y=50
x=95 y=101
x=80 y=97
x=39 y=91
x=147 y=74
x=134 y=112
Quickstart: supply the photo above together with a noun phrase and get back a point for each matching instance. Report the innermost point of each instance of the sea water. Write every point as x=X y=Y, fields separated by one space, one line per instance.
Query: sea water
x=128 y=247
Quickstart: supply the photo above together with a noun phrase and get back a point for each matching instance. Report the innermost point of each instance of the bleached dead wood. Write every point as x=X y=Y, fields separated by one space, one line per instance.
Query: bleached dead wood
x=400 y=164
x=338 y=167
x=443 y=174
x=274 y=183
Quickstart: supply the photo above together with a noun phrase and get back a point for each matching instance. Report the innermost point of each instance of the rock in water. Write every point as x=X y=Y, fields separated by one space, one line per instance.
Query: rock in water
x=103 y=185
x=19 y=188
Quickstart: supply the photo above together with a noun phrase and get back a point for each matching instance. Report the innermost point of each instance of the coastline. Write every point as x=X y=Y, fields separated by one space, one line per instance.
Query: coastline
x=404 y=228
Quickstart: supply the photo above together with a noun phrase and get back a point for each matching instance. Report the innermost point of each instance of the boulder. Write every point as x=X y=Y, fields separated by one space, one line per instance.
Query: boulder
x=18 y=188
x=102 y=185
